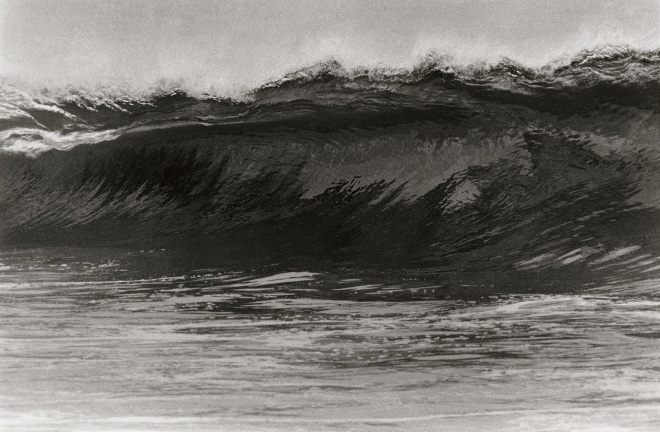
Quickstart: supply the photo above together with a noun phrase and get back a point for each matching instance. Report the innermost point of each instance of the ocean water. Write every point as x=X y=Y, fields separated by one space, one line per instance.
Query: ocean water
x=439 y=248
x=85 y=348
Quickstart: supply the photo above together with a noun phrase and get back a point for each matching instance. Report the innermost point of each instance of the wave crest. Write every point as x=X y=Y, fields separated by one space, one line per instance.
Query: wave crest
x=605 y=62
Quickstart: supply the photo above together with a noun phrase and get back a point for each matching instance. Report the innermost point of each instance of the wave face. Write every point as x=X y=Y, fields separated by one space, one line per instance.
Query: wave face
x=438 y=169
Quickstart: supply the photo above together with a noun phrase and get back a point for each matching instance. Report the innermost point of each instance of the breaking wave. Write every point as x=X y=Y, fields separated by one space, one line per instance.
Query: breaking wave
x=437 y=169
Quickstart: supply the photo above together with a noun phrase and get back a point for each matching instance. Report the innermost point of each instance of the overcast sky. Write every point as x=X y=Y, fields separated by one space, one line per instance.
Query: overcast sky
x=234 y=42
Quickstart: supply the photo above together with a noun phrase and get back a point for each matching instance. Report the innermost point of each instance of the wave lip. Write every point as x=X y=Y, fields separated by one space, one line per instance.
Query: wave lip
x=328 y=95
x=602 y=63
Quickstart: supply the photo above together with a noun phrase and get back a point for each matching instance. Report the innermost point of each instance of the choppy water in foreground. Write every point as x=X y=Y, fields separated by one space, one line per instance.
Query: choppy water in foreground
x=90 y=346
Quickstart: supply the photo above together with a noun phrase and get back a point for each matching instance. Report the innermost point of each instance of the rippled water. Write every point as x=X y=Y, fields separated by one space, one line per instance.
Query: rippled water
x=88 y=347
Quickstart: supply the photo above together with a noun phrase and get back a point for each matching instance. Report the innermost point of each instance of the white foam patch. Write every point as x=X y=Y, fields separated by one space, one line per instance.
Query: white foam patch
x=535 y=262
x=16 y=101
x=217 y=298
x=569 y=254
x=466 y=193
x=281 y=278
x=35 y=141
x=359 y=288
x=617 y=253
x=572 y=259
x=654 y=268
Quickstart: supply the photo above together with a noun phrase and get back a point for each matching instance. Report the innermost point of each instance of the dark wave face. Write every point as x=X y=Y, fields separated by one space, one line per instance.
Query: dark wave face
x=439 y=171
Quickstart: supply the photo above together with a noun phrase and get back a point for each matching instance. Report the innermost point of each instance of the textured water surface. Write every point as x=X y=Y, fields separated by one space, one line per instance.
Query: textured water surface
x=319 y=350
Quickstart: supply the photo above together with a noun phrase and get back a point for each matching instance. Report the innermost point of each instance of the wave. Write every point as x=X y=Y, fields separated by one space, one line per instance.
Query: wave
x=437 y=169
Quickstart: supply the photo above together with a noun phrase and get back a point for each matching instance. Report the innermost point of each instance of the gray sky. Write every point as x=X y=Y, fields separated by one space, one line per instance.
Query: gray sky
x=228 y=43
